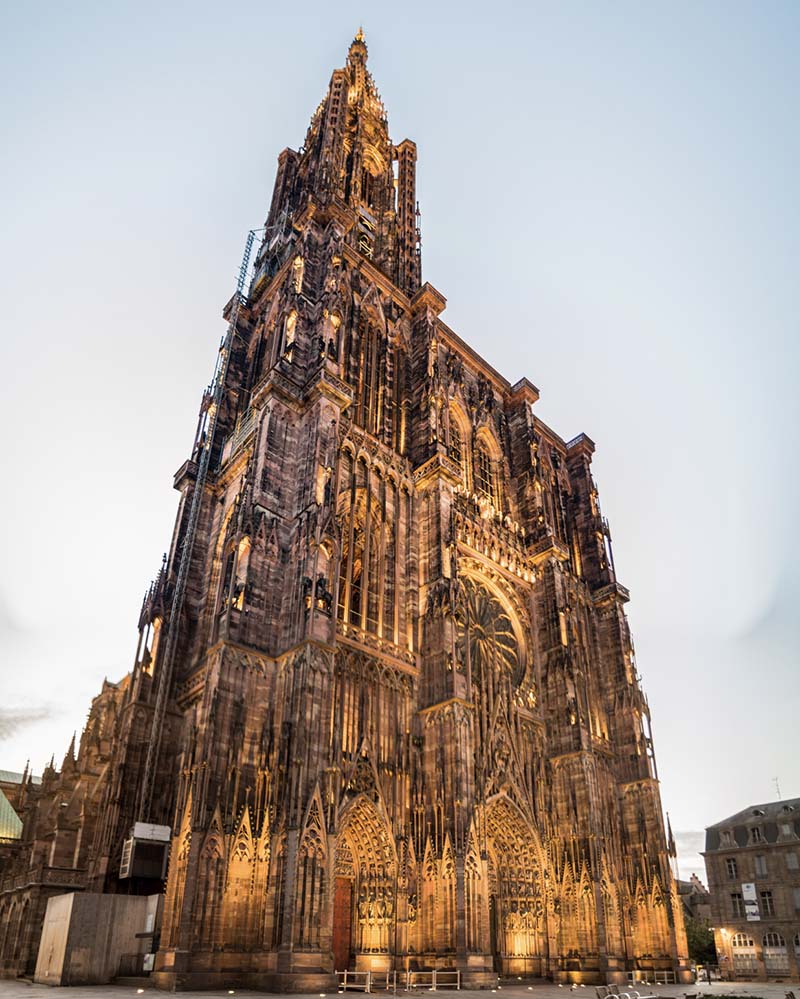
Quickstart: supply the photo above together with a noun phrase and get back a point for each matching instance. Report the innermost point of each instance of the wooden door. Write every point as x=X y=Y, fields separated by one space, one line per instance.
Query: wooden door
x=342 y=924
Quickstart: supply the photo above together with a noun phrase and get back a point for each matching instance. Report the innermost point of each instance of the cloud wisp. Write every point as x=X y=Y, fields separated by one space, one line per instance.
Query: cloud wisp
x=12 y=720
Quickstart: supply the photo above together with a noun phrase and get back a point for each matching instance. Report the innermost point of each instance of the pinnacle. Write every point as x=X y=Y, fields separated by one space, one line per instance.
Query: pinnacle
x=358 y=42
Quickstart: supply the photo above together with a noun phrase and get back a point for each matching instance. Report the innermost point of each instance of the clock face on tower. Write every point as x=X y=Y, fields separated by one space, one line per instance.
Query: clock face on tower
x=486 y=645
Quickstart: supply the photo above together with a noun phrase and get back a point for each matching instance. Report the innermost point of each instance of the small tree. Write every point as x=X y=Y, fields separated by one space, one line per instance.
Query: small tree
x=700 y=938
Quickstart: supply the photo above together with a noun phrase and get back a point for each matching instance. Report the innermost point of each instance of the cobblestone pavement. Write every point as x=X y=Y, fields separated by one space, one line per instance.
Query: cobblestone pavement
x=510 y=990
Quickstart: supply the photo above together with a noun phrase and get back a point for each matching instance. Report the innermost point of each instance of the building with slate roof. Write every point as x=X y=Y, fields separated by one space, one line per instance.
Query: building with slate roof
x=753 y=866
x=10 y=822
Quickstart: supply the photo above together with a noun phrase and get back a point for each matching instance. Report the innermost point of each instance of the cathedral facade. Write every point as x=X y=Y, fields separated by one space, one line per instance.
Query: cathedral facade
x=393 y=718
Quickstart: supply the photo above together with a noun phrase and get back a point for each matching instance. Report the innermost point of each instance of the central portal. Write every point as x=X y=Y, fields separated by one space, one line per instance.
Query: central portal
x=365 y=900
x=516 y=895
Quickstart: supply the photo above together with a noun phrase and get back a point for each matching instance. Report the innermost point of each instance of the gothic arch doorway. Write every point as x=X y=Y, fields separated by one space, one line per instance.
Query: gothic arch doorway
x=516 y=891
x=365 y=892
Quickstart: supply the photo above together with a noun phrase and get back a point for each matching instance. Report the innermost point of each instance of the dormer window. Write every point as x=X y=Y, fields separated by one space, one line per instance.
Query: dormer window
x=756 y=835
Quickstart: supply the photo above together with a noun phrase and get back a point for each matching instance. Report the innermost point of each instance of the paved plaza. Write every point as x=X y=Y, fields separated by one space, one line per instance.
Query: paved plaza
x=25 y=990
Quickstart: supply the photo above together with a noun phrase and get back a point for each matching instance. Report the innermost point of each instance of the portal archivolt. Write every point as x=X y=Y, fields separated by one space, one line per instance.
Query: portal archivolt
x=365 y=895
x=516 y=889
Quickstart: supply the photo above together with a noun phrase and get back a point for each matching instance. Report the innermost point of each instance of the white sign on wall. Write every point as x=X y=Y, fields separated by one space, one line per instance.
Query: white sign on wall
x=750 y=899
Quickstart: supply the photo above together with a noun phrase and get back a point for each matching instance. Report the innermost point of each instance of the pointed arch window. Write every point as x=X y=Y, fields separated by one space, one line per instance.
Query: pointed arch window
x=485 y=484
x=455 y=443
x=367 y=187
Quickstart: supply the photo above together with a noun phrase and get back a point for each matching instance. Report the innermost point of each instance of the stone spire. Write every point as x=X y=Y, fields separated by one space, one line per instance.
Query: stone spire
x=350 y=167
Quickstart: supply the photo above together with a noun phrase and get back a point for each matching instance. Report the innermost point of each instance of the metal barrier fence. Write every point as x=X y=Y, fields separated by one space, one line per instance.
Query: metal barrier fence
x=666 y=977
x=360 y=981
x=433 y=980
x=386 y=981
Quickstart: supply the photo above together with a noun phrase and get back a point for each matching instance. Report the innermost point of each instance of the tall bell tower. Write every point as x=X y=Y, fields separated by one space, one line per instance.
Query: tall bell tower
x=395 y=721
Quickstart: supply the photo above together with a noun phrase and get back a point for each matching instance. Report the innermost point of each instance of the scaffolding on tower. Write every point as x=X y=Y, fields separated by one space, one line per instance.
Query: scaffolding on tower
x=212 y=403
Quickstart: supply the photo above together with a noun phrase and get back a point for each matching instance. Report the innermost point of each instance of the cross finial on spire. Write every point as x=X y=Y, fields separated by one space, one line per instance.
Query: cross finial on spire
x=358 y=44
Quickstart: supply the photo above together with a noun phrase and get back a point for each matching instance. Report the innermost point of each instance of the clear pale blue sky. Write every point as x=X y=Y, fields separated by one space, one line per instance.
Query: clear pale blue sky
x=609 y=201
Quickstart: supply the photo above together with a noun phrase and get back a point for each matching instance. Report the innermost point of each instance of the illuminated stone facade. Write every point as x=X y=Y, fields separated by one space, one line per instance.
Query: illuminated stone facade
x=405 y=727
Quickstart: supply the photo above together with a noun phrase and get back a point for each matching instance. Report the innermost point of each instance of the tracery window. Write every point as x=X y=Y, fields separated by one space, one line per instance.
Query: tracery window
x=486 y=645
x=366 y=369
x=367 y=187
x=484 y=474
x=369 y=581
x=455 y=446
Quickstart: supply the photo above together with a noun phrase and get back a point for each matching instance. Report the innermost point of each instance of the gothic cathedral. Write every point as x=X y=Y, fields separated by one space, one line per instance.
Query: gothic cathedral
x=399 y=719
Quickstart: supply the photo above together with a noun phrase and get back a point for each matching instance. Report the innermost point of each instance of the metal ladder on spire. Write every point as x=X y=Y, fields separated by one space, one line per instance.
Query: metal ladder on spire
x=168 y=658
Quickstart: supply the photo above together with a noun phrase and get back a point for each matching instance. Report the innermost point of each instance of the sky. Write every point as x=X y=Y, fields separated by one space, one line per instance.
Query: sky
x=610 y=205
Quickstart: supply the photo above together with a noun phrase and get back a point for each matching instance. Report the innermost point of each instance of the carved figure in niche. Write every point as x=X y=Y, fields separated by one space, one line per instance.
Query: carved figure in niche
x=333 y=340
x=433 y=358
x=534 y=448
x=433 y=420
x=483 y=396
x=323 y=595
x=298 y=269
x=290 y=331
x=455 y=369
x=439 y=598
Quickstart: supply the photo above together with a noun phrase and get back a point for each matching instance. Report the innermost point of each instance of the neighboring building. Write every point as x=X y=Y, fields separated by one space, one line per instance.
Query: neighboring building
x=385 y=692
x=13 y=786
x=695 y=898
x=10 y=822
x=753 y=865
x=60 y=831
